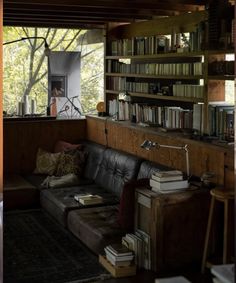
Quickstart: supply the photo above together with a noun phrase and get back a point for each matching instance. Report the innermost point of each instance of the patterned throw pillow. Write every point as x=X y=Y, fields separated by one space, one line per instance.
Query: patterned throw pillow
x=46 y=162
x=64 y=146
x=71 y=161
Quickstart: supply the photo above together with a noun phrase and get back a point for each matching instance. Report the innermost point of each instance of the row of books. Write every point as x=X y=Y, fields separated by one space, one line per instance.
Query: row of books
x=168 y=181
x=221 y=118
x=198 y=118
x=221 y=121
x=167 y=117
x=178 y=89
x=187 y=90
x=159 y=43
x=140 y=46
x=140 y=243
x=178 y=69
x=121 y=84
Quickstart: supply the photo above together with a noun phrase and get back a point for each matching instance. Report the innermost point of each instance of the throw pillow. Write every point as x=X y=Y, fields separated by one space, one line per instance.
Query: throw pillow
x=127 y=203
x=64 y=146
x=46 y=162
x=71 y=161
x=58 y=182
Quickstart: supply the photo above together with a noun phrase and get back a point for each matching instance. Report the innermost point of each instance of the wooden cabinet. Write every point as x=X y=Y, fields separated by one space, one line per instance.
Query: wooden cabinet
x=176 y=223
x=165 y=84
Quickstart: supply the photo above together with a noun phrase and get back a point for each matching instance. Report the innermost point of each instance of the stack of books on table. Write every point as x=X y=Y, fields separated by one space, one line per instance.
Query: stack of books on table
x=119 y=255
x=88 y=199
x=168 y=181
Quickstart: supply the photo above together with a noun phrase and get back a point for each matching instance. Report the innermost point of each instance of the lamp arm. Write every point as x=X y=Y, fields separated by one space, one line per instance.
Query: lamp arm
x=170 y=146
x=185 y=148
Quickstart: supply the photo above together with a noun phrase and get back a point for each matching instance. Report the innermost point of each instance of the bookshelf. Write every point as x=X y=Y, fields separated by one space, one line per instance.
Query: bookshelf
x=166 y=67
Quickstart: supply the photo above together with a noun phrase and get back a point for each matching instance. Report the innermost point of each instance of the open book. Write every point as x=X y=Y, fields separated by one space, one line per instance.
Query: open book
x=88 y=199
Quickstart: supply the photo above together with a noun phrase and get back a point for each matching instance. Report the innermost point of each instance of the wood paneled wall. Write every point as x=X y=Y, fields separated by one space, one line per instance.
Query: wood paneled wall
x=127 y=137
x=23 y=138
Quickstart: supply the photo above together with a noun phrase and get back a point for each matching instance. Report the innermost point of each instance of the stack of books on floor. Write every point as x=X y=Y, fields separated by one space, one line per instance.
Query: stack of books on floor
x=140 y=243
x=118 y=260
x=119 y=255
x=168 y=181
x=88 y=199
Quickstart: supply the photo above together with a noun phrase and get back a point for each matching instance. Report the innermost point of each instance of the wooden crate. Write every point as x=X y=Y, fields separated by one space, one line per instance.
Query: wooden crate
x=117 y=271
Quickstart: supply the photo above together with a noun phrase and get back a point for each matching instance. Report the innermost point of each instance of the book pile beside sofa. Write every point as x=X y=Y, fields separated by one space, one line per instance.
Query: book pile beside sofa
x=118 y=260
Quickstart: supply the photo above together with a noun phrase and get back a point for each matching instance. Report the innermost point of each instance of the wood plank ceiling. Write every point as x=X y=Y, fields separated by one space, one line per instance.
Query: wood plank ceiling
x=91 y=13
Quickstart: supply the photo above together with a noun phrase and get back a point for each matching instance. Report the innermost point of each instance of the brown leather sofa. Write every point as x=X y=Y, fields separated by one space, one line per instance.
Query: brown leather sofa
x=107 y=173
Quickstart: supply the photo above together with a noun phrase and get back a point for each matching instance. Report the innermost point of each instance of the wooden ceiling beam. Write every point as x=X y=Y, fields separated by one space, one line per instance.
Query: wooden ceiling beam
x=175 y=6
x=82 y=25
x=85 y=18
x=91 y=14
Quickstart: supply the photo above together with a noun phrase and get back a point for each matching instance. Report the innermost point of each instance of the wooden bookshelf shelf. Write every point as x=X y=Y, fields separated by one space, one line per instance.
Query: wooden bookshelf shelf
x=172 y=54
x=221 y=77
x=162 y=97
x=175 y=77
x=160 y=55
x=219 y=51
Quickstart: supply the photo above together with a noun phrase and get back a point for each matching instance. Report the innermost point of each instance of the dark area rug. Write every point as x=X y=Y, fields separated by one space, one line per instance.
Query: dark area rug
x=38 y=250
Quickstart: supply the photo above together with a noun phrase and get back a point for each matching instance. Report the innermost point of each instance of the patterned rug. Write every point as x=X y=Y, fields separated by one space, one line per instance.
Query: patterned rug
x=38 y=250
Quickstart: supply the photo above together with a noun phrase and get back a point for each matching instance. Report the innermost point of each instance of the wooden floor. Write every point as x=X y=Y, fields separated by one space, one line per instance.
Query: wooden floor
x=144 y=276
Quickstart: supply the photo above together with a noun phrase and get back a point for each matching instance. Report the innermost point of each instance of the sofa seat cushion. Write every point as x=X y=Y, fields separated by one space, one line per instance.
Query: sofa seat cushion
x=58 y=202
x=37 y=180
x=96 y=227
x=116 y=169
x=94 y=158
x=19 y=193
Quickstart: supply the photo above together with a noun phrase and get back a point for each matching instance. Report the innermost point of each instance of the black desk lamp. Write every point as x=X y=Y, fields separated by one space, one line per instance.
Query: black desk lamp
x=148 y=145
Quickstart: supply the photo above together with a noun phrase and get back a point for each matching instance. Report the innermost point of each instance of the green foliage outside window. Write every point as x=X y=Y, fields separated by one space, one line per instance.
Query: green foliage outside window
x=26 y=69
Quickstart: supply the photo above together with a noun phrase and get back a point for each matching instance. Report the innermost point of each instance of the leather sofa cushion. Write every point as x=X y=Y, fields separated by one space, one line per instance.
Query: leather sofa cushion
x=19 y=193
x=57 y=202
x=147 y=168
x=117 y=168
x=37 y=180
x=94 y=158
x=96 y=227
